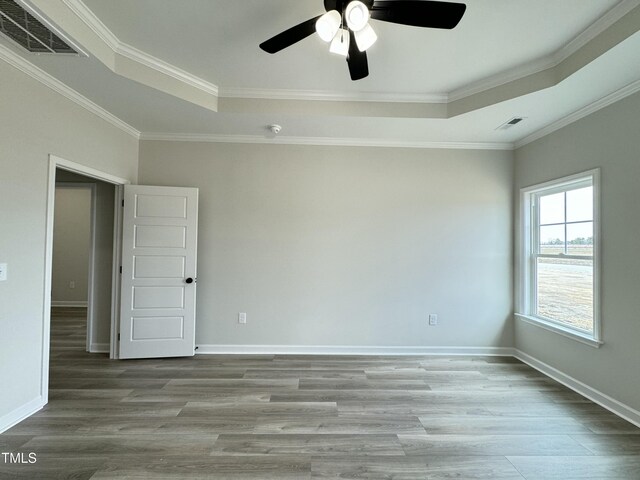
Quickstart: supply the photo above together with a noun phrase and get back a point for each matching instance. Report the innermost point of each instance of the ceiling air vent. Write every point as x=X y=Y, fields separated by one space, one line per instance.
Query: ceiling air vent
x=511 y=123
x=28 y=31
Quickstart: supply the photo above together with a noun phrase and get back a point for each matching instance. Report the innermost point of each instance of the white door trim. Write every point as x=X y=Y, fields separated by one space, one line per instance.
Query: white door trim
x=114 y=352
x=54 y=163
x=84 y=170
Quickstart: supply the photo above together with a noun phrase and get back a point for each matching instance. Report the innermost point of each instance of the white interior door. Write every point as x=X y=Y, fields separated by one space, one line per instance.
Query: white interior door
x=158 y=299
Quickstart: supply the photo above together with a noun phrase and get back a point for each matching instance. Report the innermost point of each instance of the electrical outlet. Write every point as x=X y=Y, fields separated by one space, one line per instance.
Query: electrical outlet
x=3 y=272
x=242 y=317
x=433 y=319
x=72 y=284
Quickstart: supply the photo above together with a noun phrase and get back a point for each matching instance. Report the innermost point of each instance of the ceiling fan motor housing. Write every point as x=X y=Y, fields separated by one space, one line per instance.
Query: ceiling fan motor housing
x=340 y=5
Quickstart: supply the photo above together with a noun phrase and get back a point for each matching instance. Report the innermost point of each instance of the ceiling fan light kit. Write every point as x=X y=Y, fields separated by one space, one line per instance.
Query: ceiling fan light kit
x=340 y=43
x=328 y=25
x=330 y=28
x=357 y=15
x=365 y=38
x=346 y=26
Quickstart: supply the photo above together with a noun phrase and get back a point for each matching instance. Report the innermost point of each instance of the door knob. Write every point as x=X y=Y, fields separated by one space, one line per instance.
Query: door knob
x=189 y=280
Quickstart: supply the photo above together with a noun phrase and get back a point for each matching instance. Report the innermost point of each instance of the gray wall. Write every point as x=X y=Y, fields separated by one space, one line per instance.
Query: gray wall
x=103 y=267
x=103 y=260
x=38 y=122
x=71 y=245
x=608 y=139
x=347 y=246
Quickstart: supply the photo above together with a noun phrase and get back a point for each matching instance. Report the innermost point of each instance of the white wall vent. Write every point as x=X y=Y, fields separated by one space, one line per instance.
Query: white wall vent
x=511 y=123
x=31 y=33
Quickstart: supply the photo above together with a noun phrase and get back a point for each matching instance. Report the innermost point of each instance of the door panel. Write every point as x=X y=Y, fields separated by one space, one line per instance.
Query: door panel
x=159 y=267
x=149 y=328
x=158 y=297
x=163 y=236
x=159 y=255
x=161 y=206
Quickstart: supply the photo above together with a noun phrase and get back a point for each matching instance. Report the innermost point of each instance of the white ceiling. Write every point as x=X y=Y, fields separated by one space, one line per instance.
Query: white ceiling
x=217 y=42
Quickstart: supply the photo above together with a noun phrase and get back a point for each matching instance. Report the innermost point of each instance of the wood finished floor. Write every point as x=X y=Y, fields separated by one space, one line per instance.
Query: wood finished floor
x=305 y=417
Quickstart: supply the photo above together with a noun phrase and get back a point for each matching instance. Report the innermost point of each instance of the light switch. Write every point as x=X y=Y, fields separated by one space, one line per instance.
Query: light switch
x=3 y=272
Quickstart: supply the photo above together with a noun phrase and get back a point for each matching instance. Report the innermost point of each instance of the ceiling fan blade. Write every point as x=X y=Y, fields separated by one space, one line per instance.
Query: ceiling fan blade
x=419 y=13
x=357 y=60
x=289 y=37
x=330 y=5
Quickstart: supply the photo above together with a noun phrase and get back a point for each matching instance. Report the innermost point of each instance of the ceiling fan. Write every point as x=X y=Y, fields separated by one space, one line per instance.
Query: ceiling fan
x=346 y=26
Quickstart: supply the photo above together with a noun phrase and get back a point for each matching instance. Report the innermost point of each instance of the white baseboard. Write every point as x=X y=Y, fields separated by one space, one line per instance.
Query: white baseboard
x=68 y=304
x=630 y=414
x=19 y=414
x=348 y=350
x=99 y=348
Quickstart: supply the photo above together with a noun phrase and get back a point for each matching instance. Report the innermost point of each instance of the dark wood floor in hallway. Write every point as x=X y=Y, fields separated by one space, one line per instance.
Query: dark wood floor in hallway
x=312 y=417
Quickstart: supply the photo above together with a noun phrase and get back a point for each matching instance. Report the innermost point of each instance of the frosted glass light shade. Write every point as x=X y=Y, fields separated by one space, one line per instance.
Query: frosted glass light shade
x=340 y=43
x=357 y=15
x=365 y=38
x=328 y=25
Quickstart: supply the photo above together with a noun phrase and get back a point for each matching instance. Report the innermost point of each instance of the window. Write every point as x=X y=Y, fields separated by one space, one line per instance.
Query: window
x=559 y=256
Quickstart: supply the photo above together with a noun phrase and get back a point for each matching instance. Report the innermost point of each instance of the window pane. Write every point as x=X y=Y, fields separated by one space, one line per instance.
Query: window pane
x=580 y=238
x=565 y=291
x=552 y=239
x=552 y=208
x=580 y=205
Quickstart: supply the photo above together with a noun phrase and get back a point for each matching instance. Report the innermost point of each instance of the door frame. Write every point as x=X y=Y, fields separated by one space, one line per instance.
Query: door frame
x=56 y=162
x=92 y=187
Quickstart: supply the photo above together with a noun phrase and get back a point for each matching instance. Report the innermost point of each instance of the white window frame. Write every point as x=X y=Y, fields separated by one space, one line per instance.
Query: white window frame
x=525 y=274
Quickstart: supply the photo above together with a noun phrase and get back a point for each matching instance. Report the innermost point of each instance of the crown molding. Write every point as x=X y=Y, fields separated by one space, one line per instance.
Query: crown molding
x=93 y=22
x=165 y=68
x=322 y=141
x=502 y=78
x=120 y=48
x=550 y=61
x=135 y=55
x=268 y=94
x=15 y=60
x=579 y=114
x=595 y=29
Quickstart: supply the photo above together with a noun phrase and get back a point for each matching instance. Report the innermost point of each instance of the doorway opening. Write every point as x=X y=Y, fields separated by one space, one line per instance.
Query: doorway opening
x=82 y=264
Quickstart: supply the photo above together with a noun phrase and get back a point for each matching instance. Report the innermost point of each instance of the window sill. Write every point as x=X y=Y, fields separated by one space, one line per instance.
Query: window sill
x=566 y=332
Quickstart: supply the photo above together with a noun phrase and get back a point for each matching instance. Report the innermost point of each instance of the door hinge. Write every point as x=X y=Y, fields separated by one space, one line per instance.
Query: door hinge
x=123 y=203
x=121 y=270
x=118 y=337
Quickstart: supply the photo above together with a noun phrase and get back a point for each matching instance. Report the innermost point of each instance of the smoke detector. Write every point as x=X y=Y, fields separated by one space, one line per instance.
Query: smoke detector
x=275 y=129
